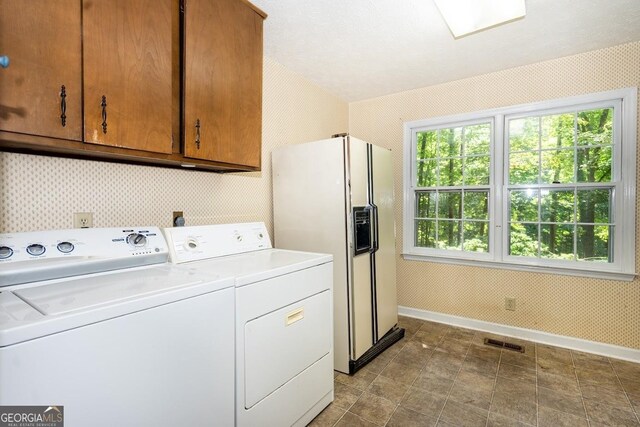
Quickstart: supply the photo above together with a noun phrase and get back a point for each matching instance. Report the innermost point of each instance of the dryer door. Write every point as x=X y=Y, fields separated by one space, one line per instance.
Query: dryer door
x=285 y=342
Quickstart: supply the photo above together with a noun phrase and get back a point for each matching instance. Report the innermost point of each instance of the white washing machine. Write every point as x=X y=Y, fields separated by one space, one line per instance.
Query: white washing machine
x=97 y=322
x=284 y=319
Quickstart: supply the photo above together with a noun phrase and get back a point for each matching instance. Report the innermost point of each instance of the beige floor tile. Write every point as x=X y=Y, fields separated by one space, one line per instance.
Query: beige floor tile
x=608 y=415
x=484 y=352
x=431 y=381
x=329 y=417
x=548 y=417
x=461 y=415
x=352 y=420
x=404 y=417
x=498 y=420
x=400 y=372
x=359 y=380
x=423 y=402
x=565 y=384
x=513 y=405
x=519 y=359
x=569 y=403
x=555 y=367
x=626 y=369
x=608 y=395
x=597 y=377
x=344 y=395
x=373 y=408
x=480 y=366
x=518 y=373
x=389 y=389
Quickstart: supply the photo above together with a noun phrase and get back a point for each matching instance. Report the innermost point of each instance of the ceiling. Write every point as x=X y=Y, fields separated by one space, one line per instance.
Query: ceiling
x=361 y=49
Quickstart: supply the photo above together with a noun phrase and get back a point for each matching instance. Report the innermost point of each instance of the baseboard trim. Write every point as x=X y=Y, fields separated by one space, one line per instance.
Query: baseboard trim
x=609 y=350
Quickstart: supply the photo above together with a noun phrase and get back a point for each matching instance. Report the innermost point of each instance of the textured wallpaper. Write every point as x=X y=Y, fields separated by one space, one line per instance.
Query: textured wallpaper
x=599 y=310
x=39 y=193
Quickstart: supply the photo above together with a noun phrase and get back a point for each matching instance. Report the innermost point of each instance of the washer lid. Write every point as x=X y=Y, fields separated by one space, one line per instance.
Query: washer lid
x=33 y=311
x=91 y=291
x=261 y=265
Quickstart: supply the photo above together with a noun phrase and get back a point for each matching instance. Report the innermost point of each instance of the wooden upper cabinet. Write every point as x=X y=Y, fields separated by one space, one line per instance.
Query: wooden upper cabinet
x=127 y=73
x=223 y=81
x=41 y=89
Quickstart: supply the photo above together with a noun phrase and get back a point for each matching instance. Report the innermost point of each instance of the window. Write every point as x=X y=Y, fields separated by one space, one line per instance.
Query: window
x=547 y=186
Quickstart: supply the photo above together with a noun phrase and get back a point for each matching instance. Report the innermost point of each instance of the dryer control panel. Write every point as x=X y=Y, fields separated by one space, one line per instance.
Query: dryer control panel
x=210 y=241
x=43 y=255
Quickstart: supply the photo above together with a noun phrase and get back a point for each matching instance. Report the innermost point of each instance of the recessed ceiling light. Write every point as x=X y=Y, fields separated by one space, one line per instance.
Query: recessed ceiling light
x=468 y=16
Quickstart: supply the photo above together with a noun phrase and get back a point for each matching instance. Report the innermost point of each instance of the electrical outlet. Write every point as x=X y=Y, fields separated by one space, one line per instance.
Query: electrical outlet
x=510 y=304
x=83 y=220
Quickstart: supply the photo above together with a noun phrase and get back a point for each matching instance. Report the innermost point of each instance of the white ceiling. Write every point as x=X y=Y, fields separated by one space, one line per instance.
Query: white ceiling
x=360 y=49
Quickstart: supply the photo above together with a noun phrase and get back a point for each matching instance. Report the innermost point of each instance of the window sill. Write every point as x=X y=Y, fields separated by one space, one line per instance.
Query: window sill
x=608 y=275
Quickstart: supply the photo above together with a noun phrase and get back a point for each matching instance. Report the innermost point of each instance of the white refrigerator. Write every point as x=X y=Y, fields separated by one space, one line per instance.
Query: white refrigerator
x=336 y=196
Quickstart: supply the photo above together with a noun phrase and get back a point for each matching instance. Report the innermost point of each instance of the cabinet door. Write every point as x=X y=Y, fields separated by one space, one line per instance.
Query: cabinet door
x=223 y=81
x=127 y=73
x=42 y=40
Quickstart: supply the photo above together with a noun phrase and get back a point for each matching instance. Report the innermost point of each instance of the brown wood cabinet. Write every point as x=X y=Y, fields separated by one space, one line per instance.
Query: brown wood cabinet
x=223 y=81
x=127 y=73
x=147 y=73
x=41 y=89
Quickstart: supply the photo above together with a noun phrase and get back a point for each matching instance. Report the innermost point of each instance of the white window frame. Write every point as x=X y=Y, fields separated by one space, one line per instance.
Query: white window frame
x=623 y=179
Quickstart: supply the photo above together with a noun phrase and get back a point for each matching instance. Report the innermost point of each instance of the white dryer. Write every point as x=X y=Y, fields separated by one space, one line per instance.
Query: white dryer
x=97 y=323
x=284 y=326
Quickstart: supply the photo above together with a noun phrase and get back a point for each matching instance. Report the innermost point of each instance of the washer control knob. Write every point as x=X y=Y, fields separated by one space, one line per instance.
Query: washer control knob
x=5 y=252
x=137 y=240
x=36 y=249
x=191 y=244
x=260 y=236
x=65 y=247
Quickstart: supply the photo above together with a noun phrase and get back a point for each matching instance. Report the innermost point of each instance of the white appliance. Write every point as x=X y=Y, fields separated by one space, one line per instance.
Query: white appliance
x=96 y=321
x=336 y=196
x=284 y=354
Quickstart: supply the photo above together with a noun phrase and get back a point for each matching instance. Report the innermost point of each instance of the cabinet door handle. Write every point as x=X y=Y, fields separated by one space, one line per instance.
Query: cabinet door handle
x=198 y=134
x=63 y=106
x=4 y=61
x=104 y=114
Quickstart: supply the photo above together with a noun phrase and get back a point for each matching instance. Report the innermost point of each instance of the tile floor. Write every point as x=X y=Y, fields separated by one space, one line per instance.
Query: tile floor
x=445 y=376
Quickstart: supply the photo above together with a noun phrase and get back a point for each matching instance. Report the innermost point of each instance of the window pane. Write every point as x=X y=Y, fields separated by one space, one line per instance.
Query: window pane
x=450 y=172
x=476 y=204
x=557 y=166
x=594 y=206
x=557 y=241
x=595 y=127
x=426 y=144
x=556 y=206
x=476 y=139
x=476 y=170
x=449 y=204
x=476 y=236
x=450 y=142
x=523 y=239
x=523 y=134
x=426 y=171
x=524 y=206
x=426 y=204
x=449 y=234
x=523 y=168
x=425 y=234
x=593 y=243
x=557 y=131
x=594 y=164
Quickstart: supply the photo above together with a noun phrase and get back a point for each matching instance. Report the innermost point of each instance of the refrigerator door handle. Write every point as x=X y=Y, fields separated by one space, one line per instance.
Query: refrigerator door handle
x=374 y=228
